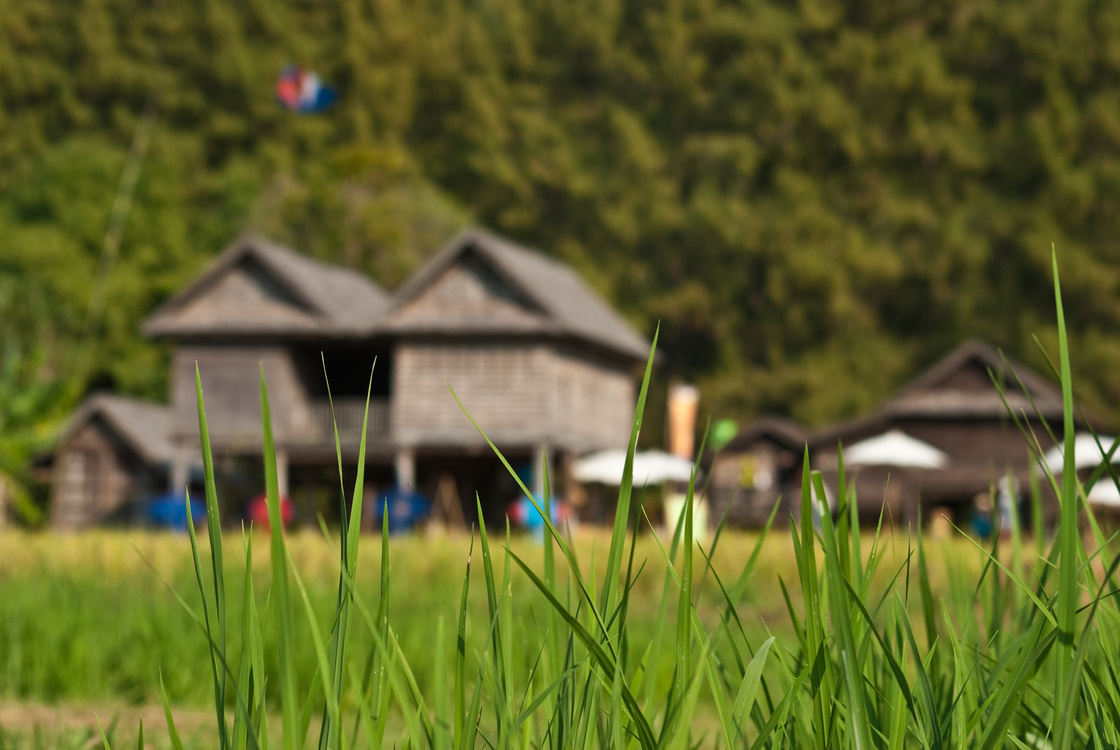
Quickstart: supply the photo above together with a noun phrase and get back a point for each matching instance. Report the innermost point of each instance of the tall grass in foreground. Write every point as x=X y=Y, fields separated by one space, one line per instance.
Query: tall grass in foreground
x=1025 y=656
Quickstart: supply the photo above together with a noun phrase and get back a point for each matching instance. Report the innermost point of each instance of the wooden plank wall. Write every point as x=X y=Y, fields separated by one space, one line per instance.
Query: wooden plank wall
x=592 y=402
x=93 y=478
x=520 y=392
x=501 y=383
x=231 y=389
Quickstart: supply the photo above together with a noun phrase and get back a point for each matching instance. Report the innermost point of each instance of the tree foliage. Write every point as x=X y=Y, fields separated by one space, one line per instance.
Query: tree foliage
x=815 y=199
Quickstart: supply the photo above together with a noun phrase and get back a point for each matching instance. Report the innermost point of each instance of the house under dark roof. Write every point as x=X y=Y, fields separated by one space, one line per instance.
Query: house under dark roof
x=539 y=360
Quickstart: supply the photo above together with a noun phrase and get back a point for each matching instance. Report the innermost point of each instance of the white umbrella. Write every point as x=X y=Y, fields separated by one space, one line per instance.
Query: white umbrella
x=650 y=467
x=1086 y=454
x=1104 y=493
x=895 y=448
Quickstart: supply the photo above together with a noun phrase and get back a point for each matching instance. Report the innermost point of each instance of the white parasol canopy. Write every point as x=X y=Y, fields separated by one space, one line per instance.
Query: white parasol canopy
x=1086 y=454
x=1104 y=493
x=895 y=448
x=650 y=467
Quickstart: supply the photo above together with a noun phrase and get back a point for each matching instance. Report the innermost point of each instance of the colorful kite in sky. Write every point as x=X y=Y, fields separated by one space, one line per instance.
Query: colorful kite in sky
x=301 y=91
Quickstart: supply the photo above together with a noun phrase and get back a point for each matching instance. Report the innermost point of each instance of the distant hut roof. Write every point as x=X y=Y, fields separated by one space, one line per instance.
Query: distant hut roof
x=544 y=296
x=959 y=386
x=257 y=287
x=143 y=426
x=778 y=430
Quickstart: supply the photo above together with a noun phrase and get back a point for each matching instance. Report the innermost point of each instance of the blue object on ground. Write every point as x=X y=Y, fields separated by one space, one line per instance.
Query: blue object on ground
x=405 y=507
x=170 y=511
x=525 y=514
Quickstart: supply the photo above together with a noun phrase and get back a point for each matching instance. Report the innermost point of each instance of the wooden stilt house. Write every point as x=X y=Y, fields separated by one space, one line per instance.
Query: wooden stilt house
x=539 y=360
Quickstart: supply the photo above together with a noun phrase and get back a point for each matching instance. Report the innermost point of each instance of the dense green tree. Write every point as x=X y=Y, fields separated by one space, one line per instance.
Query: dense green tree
x=815 y=199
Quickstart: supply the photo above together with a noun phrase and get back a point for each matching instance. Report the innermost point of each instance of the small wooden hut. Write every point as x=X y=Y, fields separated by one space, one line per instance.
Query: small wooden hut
x=754 y=470
x=962 y=406
x=114 y=450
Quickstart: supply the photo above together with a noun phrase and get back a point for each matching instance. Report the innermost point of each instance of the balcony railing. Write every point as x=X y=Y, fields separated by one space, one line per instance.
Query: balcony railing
x=313 y=425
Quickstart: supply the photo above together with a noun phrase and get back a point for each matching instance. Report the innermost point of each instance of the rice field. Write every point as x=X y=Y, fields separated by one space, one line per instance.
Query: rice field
x=90 y=623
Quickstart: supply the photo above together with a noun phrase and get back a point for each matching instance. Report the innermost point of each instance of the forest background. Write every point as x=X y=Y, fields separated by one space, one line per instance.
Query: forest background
x=815 y=199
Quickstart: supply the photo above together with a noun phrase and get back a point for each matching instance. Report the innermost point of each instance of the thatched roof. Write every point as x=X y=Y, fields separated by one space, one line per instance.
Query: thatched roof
x=531 y=294
x=143 y=426
x=256 y=287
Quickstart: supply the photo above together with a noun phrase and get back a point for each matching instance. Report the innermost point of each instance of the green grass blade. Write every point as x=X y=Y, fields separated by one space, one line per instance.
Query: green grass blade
x=748 y=688
x=1008 y=699
x=214 y=529
x=684 y=604
x=554 y=638
x=318 y=645
x=380 y=688
x=497 y=651
x=461 y=656
x=505 y=609
x=351 y=528
x=443 y=718
x=654 y=662
x=1040 y=606
x=104 y=737
x=585 y=589
x=213 y=524
x=247 y=702
x=601 y=657
x=281 y=594
x=782 y=712
x=622 y=508
x=374 y=736
x=1069 y=593
x=844 y=619
x=217 y=652
x=172 y=732
x=617 y=726
x=925 y=697
x=928 y=615
x=815 y=652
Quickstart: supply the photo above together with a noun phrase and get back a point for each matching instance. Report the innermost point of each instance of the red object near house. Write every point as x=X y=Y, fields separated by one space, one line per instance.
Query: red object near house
x=258 y=512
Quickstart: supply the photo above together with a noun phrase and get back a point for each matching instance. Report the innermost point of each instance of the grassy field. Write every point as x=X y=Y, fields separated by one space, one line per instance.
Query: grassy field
x=811 y=635
x=89 y=620
x=88 y=617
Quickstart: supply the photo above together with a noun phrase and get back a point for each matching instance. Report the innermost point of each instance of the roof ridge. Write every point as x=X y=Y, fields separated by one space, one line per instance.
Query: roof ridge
x=570 y=307
x=335 y=298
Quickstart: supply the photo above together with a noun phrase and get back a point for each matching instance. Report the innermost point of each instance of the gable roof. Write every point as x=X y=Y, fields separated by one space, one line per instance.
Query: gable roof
x=781 y=431
x=935 y=393
x=958 y=386
x=549 y=296
x=298 y=296
x=143 y=426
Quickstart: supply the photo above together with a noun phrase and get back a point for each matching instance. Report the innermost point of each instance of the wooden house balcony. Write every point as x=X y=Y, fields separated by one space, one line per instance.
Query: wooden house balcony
x=313 y=425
